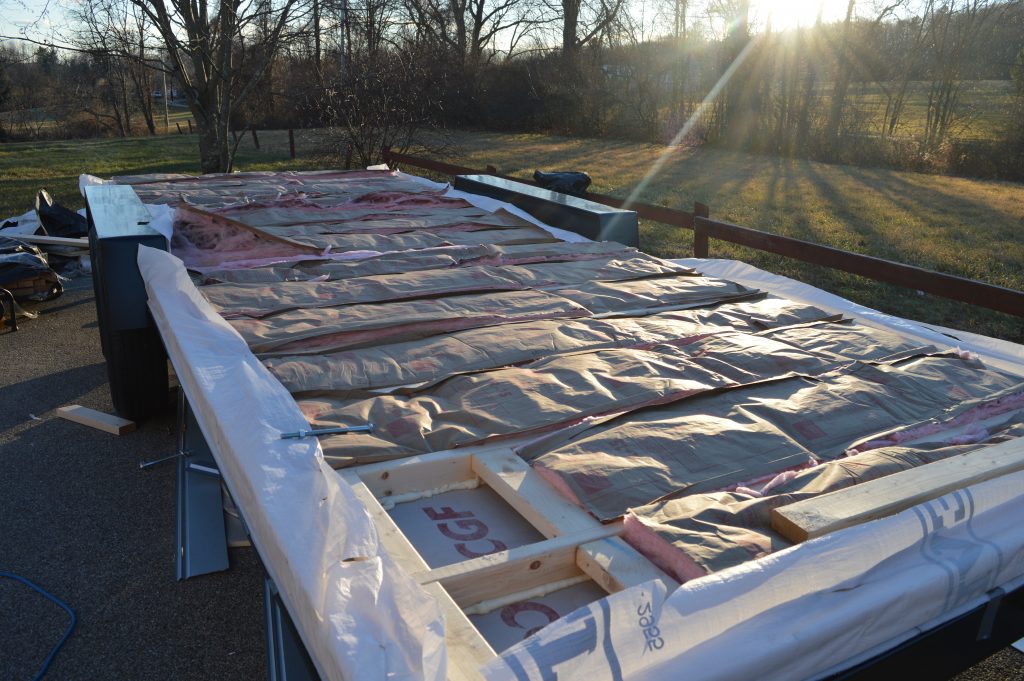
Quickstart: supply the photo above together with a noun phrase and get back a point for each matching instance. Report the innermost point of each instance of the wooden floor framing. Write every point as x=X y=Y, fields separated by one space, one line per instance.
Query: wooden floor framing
x=576 y=546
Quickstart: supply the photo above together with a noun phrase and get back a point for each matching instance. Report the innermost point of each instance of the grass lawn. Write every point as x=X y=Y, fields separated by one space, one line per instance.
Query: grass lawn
x=25 y=167
x=967 y=227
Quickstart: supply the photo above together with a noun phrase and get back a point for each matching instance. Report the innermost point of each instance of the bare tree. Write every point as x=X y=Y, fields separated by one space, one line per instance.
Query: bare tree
x=466 y=29
x=582 y=22
x=115 y=36
x=207 y=48
x=954 y=28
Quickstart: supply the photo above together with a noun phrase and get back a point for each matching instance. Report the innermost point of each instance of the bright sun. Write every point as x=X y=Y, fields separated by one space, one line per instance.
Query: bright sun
x=790 y=13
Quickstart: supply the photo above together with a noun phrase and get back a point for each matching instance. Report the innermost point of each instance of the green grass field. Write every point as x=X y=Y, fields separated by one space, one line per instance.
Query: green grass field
x=967 y=227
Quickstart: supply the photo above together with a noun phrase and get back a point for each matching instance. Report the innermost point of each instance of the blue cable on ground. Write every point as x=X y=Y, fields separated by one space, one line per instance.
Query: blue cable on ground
x=67 y=609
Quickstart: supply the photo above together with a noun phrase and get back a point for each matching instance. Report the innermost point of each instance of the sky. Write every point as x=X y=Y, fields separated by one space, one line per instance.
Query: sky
x=790 y=13
x=41 y=18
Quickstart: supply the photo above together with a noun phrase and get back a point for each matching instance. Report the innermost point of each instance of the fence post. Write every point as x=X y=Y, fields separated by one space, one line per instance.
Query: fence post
x=700 y=236
x=291 y=142
x=176 y=123
x=255 y=139
x=189 y=121
x=348 y=157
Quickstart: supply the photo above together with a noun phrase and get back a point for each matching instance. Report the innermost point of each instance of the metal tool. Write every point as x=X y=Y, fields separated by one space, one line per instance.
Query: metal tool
x=368 y=428
x=154 y=462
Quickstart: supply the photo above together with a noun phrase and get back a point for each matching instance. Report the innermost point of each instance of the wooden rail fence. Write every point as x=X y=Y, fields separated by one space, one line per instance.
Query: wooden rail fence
x=949 y=286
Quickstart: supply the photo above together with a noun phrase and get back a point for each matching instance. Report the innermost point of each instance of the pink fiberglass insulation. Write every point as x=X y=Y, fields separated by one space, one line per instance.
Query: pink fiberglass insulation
x=322 y=329
x=272 y=261
x=205 y=243
x=691 y=536
x=381 y=202
x=484 y=348
x=259 y=300
x=674 y=562
x=970 y=416
x=747 y=434
x=526 y=254
x=395 y=199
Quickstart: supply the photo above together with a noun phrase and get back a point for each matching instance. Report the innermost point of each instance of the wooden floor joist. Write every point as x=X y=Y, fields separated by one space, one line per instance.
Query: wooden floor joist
x=887 y=496
x=514 y=570
x=577 y=547
x=467 y=649
x=611 y=562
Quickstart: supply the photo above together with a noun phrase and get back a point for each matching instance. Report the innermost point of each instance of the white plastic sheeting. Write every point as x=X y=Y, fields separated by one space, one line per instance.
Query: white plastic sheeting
x=359 y=615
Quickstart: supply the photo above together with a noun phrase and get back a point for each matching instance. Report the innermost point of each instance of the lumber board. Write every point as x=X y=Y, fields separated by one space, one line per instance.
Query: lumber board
x=887 y=496
x=467 y=649
x=484 y=607
x=416 y=473
x=532 y=497
x=514 y=570
x=615 y=565
x=611 y=562
x=96 y=419
x=44 y=240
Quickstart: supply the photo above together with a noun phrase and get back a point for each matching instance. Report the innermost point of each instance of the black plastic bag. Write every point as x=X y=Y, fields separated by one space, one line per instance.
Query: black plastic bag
x=25 y=273
x=566 y=182
x=57 y=220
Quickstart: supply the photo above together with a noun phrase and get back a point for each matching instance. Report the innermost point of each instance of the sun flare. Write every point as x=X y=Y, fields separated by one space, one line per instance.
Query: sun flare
x=785 y=14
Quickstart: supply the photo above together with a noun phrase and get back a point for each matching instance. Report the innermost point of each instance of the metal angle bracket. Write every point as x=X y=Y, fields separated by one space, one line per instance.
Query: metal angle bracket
x=287 y=659
x=201 y=539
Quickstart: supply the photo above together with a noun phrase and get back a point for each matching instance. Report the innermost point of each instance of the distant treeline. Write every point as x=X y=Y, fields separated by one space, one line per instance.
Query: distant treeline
x=913 y=84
